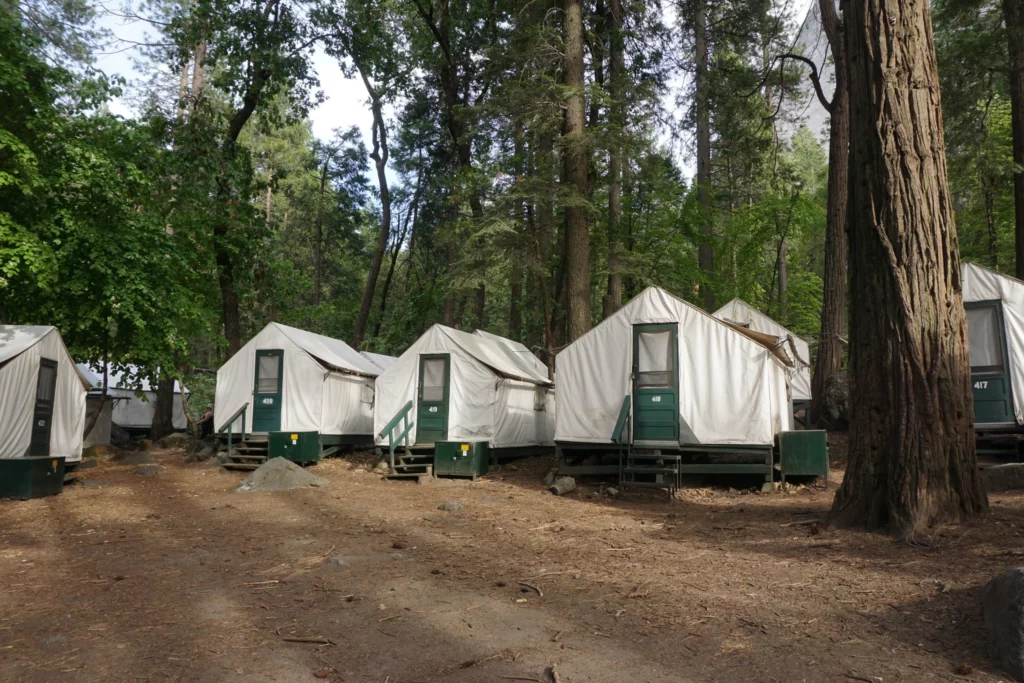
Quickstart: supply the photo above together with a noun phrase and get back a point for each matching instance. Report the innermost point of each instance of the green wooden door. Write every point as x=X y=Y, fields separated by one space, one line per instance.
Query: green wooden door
x=655 y=383
x=42 y=413
x=266 y=408
x=432 y=398
x=990 y=372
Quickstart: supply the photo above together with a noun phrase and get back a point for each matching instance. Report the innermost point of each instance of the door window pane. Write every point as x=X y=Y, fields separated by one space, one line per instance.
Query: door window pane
x=984 y=339
x=269 y=372
x=47 y=379
x=433 y=379
x=655 y=359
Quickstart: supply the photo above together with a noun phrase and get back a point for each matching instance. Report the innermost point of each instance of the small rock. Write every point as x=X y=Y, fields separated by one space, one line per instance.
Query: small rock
x=611 y=491
x=450 y=506
x=549 y=478
x=1002 y=600
x=146 y=469
x=381 y=466
x=335 y=561
x=175 y=440
x=562 y=486
x=399 y=545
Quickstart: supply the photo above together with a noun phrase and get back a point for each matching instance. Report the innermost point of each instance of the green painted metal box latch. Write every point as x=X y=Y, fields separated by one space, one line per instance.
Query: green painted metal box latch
x=460 y=458
x=299 y=447
x=31 y=477
x=803 y=453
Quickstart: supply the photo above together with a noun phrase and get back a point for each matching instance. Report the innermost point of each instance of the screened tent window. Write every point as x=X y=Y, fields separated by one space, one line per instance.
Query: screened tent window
x=47 y=380
x=655 y=358
x=270 y=371
x=433 y=379
x=984 y=339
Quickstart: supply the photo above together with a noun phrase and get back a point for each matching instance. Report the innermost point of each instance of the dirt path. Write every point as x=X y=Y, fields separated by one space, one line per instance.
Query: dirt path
x=170 y=576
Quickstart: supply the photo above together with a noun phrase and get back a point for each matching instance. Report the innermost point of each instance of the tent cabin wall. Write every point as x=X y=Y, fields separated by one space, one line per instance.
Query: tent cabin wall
x=34 y=421
x=994 y=305
x=740 y=312
x=131 y=409
x=731 y=390
x=314 y=383
x=491 y=397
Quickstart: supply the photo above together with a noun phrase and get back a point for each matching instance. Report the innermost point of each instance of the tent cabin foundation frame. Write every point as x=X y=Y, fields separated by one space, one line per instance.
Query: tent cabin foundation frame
x=251 y=450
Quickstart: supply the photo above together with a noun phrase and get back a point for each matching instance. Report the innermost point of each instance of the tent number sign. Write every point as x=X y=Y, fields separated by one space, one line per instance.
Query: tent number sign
x=433 y=409
x=268 y=401
x=981 y=385
x=655 y=399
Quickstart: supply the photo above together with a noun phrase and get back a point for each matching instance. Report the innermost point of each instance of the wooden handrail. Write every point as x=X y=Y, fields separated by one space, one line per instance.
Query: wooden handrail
x=228 y=425
x=389 y=429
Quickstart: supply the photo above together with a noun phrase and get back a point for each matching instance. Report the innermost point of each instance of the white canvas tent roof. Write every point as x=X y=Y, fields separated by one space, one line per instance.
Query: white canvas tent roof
x=379 y=359
x=740 y=312
x=21 y=349
x=129 y=409
x=495 y=395
x=984 y=284
x=327 y=386
x=520 y=354
x=733 y=390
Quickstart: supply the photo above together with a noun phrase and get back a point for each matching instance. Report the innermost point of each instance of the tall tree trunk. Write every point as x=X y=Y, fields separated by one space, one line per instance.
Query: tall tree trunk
x=833 y=305
x=783 y=277
x=577 y=229
x=163 y=409
x=226 y=280
x=318 y=237
x=613 y=294
x=198 y=74
x=380 y=160
x=1013 y=15
x=545 y=228
x=183 y=91
x=705 y=252
x=911 y=454
x=988 y=188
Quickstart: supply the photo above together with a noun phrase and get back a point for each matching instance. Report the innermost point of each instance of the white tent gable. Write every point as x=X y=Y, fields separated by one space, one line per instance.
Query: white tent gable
x=740 y=312
x=984 y=284
x=21 y=349
x=495 y=355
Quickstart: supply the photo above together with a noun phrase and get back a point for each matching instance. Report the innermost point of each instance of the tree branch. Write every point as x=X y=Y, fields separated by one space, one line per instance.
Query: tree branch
x=827 y=104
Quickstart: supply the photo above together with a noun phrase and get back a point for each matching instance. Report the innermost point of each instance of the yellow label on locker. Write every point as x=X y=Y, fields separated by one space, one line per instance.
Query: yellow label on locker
x=465 y=446
x=294 y=437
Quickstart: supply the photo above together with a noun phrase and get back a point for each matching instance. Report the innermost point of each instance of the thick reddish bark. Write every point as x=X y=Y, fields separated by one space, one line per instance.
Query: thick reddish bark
x=705 y=252
x=613 y=294
x=911 y=450
x=833 y=305
x=577 y=224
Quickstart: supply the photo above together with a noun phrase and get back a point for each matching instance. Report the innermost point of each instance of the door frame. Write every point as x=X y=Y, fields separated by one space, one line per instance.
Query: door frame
x=447 y=358
x=43 y=362
x=256 y=382
x=1007 y=373
x=637 y=328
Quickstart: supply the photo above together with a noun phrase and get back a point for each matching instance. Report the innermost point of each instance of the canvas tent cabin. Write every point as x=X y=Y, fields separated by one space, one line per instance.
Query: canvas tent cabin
x=739 y=312
x=42 y=396
x=129 y=408
x=473 y=390
x=994 y=305
x=662 y=389
x=290 y=381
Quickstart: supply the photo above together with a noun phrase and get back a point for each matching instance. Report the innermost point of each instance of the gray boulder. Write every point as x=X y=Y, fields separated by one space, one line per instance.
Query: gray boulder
x=562 y=486
x=174 y=440
x=1006 y=477
x=836 y=410
x=1002 y=600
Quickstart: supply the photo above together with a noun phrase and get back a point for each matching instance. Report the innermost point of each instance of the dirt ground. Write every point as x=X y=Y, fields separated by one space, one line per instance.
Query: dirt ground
x=171 y=576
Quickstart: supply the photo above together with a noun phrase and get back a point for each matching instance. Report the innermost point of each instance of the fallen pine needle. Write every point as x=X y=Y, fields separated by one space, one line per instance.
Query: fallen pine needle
x=540 y=593
x=520 y=678
x=860 y=677
x=313 y=641
x=387 y=634
x=802 y=522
